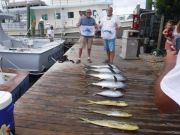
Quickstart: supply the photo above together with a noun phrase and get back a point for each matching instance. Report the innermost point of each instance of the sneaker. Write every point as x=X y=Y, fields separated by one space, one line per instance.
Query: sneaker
x=78 y=61
x=89 y=60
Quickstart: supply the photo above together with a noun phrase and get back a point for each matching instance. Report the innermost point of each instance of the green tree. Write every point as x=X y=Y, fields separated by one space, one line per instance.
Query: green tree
x=169 y=8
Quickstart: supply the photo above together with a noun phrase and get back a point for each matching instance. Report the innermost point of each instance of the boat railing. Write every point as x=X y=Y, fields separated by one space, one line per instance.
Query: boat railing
x=14 y=26
x=72 y=2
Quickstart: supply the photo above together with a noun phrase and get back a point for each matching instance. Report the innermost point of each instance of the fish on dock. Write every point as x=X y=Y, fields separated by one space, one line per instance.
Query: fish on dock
x=114 y=113
x=104 y=70
x=110 y=93
x=110 y=84
x=113 y=124
x=109 y=103
x=100 y=66
x=105 y=76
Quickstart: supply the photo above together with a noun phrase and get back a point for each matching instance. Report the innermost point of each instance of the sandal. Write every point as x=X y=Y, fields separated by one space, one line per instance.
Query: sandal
x=89 y=60
x=78 y=61
x=106 y=61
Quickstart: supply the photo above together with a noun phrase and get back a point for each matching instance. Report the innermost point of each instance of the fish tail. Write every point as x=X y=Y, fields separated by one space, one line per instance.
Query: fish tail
x=88 y=85
x=87 y=71
x=94 y=94
x=85 y=120
x=90 y=102
x=85 y=66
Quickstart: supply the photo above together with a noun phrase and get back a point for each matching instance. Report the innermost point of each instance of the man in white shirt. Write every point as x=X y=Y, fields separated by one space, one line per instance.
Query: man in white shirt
x=167 y=86
x=109 y=25
x=50 y=33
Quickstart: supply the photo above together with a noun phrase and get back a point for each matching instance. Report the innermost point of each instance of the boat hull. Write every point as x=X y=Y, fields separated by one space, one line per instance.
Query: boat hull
x=33 y=60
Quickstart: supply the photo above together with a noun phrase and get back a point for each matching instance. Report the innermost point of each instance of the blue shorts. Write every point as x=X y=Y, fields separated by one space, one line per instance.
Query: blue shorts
x=109 y=45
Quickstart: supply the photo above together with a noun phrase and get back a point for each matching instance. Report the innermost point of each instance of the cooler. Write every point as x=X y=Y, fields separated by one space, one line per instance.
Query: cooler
x=6 y=110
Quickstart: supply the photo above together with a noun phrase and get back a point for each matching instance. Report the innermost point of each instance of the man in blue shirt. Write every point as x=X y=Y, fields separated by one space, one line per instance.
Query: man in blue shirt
x=87 y=26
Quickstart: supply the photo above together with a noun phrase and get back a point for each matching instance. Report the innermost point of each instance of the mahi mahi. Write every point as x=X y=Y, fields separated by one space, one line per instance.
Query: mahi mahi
x=113 y=113
x=111 y=93
x=109 y=103
x=105 y=76
x=113 y=124
x=110 y=84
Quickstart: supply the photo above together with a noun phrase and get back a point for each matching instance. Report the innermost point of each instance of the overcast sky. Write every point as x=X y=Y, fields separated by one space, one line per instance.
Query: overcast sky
x=127 y=6
x=120 y=6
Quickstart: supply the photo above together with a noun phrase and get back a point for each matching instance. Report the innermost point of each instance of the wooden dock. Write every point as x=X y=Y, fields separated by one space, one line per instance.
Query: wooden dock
x=57 y=101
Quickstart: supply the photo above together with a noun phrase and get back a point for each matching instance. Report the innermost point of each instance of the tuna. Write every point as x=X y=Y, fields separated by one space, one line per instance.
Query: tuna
x=104 y=70
x=105 y=76
x=101 y=66
x=110 y=93
x=110 y=84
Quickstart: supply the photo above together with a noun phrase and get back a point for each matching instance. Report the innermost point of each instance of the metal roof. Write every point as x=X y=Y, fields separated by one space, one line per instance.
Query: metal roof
x=70 y=5
x=24 y=4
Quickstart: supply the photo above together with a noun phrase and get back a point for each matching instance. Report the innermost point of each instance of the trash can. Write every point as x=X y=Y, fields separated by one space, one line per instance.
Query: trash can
x=130 y=43
x=7 y=110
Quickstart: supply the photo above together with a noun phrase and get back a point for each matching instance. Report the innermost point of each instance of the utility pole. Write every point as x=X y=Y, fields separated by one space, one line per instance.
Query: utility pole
x=160 y=32
x=149 y=4
x=28 y=18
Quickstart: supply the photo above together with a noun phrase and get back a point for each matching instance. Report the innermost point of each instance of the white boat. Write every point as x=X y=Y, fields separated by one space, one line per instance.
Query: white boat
x=14 y=81
x=35 y=55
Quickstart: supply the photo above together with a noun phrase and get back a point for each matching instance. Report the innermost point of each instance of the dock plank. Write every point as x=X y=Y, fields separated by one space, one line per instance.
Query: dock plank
x=57 y=101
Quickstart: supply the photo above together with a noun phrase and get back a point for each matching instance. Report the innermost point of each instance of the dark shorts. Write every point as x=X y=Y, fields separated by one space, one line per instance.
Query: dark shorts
x=177 y=45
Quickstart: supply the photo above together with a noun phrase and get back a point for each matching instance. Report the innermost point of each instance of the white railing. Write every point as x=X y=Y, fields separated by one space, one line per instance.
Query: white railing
x=14 y=26
x=69 y=2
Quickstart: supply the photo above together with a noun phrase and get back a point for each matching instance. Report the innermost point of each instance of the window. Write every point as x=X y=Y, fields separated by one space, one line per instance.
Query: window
x=58 y=16
x=94 y=13
x=70 y=14
x=45 y=17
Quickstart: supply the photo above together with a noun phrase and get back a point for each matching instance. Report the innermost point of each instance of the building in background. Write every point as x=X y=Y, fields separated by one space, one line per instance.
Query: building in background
x=62 y=14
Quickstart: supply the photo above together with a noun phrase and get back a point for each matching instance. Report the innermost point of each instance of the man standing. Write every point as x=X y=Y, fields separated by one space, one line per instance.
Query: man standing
x=109 y=26
x=87 y=26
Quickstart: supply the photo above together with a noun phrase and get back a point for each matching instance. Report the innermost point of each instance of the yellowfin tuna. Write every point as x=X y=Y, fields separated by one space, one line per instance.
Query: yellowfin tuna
x=109 y=102
x=113 y=124
x=114 y=113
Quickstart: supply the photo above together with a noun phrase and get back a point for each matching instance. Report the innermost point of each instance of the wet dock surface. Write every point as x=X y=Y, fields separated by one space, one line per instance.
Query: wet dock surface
x=57 y=101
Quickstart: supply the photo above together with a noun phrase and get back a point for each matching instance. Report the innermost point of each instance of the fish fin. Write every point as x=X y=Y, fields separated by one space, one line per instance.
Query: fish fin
x=112 y=70
x=115 y=79
x=110 y=66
